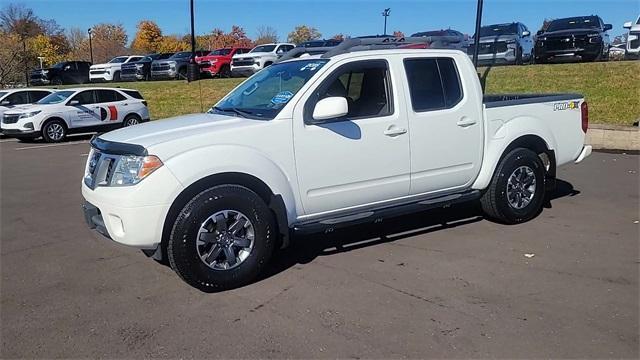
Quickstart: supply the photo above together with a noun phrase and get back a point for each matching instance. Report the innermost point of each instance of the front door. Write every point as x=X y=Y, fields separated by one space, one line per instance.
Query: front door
x=85 y=112
x=362 y=158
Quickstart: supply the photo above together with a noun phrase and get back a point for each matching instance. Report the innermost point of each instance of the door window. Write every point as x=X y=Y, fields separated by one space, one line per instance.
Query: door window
x=18 y=98
x=85 y=97
x=434 y=84
x=365 y=85
x=37 y=95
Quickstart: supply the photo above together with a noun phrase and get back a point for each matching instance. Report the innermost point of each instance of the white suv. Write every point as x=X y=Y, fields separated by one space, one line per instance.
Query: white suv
x=110 y=71
x=258 y=58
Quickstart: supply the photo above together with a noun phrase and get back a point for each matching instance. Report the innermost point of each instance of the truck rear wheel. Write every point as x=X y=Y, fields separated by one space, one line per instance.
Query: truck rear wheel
x=516 y=191
x=222 y=238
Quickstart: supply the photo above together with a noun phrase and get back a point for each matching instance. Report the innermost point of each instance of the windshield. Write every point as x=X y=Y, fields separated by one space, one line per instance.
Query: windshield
x=2 y=94
x=117 y=60
x=574 y=23
x=55 y=98
x=180 y=55
x=59 y=65
x=496 y=30
x=263 y=48
x=268 y=91
x=220 y=52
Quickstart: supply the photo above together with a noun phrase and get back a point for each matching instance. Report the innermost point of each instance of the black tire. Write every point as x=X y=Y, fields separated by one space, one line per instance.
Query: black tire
x=181 y=248
x=48 y=127
x=182 y=73
x=225 y=72
x=116 y=76
x=130 y=120
x=268 y=63
x=519 y=56
x=495 y=202
x=56 y=81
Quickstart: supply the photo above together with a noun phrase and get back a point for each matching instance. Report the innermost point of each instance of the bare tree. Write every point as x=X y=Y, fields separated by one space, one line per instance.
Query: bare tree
x=266 y=35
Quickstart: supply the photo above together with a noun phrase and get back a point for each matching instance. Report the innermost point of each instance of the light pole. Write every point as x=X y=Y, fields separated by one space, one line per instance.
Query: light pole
x=40 y=58
x=386 y=13
x=90 y=46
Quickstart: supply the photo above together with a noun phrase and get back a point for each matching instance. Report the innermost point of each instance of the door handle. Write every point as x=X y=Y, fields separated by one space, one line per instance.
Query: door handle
x=395 y=131
x=465 y=122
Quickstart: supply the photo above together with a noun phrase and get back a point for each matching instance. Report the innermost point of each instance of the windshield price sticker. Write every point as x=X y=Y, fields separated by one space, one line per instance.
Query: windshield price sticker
x=311 y=66
x=282 y=97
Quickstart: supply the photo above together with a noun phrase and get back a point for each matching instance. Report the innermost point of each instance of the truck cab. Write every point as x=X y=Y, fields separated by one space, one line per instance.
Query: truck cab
x=323 y=141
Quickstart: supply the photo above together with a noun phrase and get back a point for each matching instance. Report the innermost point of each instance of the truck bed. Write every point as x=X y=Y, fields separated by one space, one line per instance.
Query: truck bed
x=497 y=100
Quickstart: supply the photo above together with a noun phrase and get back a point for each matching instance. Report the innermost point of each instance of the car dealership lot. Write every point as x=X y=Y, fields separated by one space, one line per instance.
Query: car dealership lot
x=436 y=284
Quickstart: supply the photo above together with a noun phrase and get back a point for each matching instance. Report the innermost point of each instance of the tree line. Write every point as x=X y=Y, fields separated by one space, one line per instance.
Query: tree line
x=26 y=40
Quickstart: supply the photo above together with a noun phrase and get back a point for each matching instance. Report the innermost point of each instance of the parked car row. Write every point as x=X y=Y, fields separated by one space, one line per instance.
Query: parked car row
x=28 y=114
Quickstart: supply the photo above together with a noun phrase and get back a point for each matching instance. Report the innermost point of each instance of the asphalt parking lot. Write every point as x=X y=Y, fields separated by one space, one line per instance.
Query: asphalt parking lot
x=445 y=284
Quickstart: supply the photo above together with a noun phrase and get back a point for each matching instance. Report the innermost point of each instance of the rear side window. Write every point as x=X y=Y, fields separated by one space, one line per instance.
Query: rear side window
x=434 y=84
x=134 y=94
x=108 y=96
x=18 y=98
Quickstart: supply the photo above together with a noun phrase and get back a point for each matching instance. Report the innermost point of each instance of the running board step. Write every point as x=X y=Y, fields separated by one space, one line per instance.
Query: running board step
x=328 y=225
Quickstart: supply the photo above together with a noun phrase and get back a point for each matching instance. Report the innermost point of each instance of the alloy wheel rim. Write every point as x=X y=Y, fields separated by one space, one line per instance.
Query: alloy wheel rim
x=131 y=121
x=55 y=131
x=225 y=240
x=521 y=187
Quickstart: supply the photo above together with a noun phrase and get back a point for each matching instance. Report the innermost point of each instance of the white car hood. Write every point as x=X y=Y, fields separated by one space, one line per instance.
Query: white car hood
x=179 y=129
x=19 y=109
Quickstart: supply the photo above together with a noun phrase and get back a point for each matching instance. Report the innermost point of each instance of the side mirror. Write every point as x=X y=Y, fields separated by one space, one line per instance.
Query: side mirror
x=526 y=33
x=608 y=27
x=5 y=103
x=330 y=108
x=540 y=32
x=73 y=103
x=627 y=25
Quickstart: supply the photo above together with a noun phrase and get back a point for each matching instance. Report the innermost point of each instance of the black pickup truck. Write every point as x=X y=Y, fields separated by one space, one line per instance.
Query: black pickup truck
x=582 y=38
x=66 y=72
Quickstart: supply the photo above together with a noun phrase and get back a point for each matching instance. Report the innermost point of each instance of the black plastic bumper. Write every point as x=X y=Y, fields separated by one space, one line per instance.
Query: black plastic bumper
x=94 y=219
x=20 y=133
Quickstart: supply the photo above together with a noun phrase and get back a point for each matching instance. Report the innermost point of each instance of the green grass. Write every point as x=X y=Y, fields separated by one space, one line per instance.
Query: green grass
x=612 y=89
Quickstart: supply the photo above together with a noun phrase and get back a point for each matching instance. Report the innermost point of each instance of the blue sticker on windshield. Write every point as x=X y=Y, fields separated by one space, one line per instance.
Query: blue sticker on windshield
x=282 y=97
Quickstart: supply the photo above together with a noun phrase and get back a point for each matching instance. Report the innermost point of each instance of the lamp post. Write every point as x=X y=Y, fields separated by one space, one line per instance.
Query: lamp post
x=386 y=13
x=90 y=46
x=40 y=58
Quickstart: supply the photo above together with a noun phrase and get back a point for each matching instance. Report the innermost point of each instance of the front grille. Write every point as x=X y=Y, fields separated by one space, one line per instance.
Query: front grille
x=10 y=119
x=565 y=43
x=489 y=48
x=128 y=70
x=97 y=71
x=100 y=169
x=160 y=67
x=243 y=62
x=37 y=76
x=635 y=43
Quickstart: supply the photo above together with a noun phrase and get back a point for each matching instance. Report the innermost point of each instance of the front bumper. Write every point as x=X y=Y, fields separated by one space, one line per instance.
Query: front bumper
x=132 y=215
x=246 y=70
x=100 y=76
x=586 y=151
x=164 y=74
x=131 y=76
x=507 y=57
x=571 y=53
x=18 y=133
x=39 y=81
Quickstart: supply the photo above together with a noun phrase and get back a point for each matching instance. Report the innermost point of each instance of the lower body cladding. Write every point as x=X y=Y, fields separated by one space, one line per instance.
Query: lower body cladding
x=132 y=215
x=20 y=134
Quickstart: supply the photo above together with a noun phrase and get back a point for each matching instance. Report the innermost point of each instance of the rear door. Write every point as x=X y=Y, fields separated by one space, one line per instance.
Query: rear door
x=111 y=105
x=445 y=123
x=361 y=158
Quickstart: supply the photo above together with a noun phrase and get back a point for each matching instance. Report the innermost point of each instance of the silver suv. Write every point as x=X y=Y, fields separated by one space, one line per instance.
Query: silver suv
x=504 y=44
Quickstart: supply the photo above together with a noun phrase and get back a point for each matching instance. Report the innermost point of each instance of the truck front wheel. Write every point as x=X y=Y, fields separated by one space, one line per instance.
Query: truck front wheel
x=222 y=238
x=516 y=191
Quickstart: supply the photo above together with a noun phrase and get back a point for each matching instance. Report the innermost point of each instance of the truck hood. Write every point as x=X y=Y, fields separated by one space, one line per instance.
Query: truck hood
x=252 y=55
x=209 y=58
x=180 y=128
x=104 y=66
x=498 y=38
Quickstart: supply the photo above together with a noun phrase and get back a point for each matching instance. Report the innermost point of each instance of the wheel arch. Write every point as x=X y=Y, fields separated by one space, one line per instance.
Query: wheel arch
x=53 y=118
x=275 y=202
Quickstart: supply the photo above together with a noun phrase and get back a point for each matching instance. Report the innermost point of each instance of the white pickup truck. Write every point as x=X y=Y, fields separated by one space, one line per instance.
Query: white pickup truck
x=324 y=141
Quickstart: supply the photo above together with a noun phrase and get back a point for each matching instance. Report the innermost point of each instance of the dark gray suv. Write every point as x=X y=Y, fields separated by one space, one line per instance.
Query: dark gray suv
x=504 y=44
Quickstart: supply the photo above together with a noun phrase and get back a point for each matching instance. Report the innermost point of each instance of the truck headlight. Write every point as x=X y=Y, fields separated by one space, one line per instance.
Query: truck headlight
x=139 y=66
x=45 y=71
x=131 y=169
x=594 y=38
x=29 y=114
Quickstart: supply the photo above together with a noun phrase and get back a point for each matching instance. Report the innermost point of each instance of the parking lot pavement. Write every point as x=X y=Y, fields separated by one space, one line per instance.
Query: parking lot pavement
x=438 y=284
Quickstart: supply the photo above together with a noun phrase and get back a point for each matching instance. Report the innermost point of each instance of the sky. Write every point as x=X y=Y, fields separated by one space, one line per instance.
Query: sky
x=330 y=17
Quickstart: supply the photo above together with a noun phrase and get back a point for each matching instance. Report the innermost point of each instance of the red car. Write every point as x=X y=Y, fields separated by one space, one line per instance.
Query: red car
x=218 y=62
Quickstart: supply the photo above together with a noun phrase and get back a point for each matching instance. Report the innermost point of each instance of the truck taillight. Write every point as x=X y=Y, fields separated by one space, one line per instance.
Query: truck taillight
x=584 y=109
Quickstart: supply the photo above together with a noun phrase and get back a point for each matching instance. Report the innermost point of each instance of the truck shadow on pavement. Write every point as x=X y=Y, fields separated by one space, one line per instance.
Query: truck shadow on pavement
x=304 y=249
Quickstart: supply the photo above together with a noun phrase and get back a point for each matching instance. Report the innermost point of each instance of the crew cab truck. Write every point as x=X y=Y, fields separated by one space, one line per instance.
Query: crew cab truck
x=75 y=110
x=324 y=141
x=218 y=61
x=582 y=38
x=111 y=71
x=258 y=58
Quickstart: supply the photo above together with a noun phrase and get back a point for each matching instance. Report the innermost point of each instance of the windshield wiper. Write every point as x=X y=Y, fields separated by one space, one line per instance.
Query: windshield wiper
x=239 y=112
